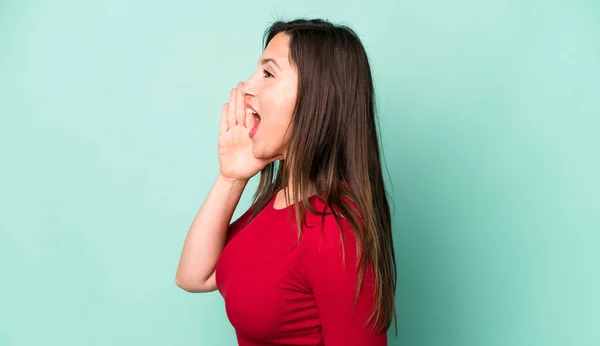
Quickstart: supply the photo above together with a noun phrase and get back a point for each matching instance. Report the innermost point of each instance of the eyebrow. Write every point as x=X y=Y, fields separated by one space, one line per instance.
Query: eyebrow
x=267 y=60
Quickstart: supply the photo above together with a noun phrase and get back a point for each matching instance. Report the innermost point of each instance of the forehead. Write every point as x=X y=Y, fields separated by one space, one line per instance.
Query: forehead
x=278 y=49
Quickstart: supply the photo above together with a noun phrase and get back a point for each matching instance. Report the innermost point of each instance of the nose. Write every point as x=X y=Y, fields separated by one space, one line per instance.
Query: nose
x=249 y=88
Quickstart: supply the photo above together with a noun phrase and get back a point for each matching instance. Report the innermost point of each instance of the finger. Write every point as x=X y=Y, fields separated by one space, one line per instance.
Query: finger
x=224 y=127
x=240 y=111
x=231 y=109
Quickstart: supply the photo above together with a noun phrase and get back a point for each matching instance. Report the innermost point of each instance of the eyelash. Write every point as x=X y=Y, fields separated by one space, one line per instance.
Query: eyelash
x=267 y=74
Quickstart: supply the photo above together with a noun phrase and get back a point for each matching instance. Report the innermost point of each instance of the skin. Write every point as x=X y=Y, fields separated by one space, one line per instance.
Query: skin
x=272 y=92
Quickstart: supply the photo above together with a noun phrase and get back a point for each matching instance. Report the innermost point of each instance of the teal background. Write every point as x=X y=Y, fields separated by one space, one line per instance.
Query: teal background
x=489 y=114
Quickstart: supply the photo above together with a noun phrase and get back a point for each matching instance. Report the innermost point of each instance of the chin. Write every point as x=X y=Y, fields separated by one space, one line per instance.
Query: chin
x=262 y=154
x=258 y=152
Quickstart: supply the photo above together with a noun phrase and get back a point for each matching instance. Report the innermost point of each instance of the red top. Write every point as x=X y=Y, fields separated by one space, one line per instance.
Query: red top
x=276 y=294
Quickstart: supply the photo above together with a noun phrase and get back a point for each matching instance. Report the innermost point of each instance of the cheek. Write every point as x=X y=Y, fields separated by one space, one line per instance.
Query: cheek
x=278 y=113
x=277 y=104
x=281 y=119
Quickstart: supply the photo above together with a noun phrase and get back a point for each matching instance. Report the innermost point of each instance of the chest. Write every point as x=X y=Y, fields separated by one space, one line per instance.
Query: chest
x=261 y=279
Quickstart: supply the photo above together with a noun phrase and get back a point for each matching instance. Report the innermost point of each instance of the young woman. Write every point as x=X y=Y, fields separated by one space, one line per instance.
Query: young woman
x=311 y=262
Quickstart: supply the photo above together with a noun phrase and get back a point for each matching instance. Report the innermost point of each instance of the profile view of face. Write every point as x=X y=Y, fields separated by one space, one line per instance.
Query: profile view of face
x=271 y=95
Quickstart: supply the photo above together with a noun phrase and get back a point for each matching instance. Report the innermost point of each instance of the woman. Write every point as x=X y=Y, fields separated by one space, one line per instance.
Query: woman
x=311 y=262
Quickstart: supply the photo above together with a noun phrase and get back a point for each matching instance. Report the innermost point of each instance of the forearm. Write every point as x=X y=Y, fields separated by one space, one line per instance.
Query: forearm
x=207 y=235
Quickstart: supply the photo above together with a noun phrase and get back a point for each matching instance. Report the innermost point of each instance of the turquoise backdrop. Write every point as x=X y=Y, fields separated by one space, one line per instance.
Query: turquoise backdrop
x=489 y=114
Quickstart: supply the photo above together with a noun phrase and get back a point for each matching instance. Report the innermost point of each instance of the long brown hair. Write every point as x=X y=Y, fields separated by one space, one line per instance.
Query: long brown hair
x=334 y=148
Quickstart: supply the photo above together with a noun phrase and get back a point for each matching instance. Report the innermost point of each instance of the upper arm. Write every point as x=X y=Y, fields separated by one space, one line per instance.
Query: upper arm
x=334 y=287
x=210 y=284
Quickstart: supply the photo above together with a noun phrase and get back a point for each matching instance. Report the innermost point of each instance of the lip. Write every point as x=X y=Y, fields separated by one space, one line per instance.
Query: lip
x=252 y=108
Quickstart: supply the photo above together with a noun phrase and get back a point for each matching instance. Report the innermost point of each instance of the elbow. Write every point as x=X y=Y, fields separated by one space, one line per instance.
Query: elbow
x=186 y=285
x=191 y=287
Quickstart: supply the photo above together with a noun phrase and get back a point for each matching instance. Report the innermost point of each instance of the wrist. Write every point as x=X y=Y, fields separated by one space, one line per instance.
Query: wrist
x=233 y=182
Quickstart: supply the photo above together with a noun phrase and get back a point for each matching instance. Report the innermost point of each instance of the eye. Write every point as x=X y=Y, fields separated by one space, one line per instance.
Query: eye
x=267 y=74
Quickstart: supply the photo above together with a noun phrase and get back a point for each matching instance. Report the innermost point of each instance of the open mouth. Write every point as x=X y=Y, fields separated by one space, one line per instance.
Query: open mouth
x=256 y=123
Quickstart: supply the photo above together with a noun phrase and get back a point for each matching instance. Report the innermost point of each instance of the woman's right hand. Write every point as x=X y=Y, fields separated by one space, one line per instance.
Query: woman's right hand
x=235 y=146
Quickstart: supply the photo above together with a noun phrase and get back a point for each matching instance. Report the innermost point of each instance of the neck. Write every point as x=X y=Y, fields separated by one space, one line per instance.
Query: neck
x=281 y=194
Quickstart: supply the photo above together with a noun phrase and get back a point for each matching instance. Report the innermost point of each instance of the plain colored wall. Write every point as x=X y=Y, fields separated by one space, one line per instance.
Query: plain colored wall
x=490 y=123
